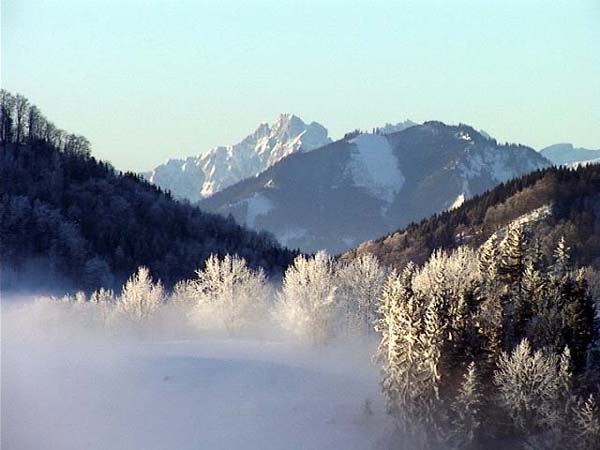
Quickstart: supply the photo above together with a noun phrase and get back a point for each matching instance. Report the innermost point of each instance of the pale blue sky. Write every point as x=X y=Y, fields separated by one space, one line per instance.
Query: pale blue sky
x=147 y=80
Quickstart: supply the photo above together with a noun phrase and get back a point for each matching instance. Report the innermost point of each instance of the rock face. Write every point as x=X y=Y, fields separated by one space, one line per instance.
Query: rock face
x=201 y=176
x=366 y=185
x=567 y=155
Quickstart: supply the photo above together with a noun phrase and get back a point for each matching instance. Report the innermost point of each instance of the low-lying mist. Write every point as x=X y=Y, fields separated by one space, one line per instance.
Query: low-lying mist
x=80 y=374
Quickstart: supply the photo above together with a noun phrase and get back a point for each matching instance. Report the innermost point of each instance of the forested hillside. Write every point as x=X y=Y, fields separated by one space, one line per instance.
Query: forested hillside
x=552 y=203
x=67 y=218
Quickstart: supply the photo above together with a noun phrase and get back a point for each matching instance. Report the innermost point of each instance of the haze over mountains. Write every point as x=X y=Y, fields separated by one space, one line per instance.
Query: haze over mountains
x=566 y=154
x=365 y=185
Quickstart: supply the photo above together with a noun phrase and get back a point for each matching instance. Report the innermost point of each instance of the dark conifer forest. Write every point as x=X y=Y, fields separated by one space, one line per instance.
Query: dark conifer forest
x=67 y=217
x=552 y=203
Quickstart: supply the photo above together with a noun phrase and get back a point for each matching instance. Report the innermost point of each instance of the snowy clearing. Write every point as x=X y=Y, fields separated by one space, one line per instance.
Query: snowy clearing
x=375 y=167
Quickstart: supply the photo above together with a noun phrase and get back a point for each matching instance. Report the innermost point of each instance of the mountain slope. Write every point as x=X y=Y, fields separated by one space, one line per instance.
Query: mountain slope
x=66 y=217
x=553 y=203
x=566 y=154
x=366 y=185
x=200 y=176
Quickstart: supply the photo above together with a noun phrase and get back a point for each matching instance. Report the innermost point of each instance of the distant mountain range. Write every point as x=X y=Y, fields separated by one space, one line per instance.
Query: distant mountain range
x=200 y=176
x=365 y=185
x=566 y=154
x=197 y=177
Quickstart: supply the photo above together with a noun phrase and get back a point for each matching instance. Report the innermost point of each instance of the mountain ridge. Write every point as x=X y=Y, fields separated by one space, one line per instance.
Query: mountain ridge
x=200 y=176
x=552 y=203
x=335 y=197
x=567 y=154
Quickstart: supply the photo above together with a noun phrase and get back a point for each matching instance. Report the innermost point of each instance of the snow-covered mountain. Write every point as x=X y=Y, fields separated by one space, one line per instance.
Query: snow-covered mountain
x=566 y=154
x=200 y=176
x=363 y=186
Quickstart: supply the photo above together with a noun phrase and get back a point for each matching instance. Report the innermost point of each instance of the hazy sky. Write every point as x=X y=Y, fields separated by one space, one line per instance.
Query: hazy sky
x=147 y=80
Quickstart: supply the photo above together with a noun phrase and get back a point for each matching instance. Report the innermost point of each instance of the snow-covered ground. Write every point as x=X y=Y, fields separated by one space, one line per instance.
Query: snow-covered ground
x=67 y=386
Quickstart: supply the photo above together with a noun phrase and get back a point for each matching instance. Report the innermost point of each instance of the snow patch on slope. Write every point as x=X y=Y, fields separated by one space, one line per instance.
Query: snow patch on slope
x=258 y=205
x=287 y=237
x=577 y=164
x=458 y=202
x=534 y=216
x=375 y=168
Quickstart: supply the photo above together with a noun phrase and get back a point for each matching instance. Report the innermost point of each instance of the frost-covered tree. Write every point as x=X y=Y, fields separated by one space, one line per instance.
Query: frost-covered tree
x=587 y=425
x=141 y=297
x=229 y=291
x=410 y=353
x=400 y=350
x=560 y=268
x=307 y=301
x=447 y=282
x=104 y=301
x=487 y=259
x=458 y=306
x=512 y=252
x=466 y=411
x=183 y=294
x=511 y=267
x=77 y=297
x=360 y=283
x=533 y=387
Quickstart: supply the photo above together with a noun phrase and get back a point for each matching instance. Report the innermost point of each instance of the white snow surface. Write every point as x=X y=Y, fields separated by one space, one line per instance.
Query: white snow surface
x=458 y=202
x=534 y=216
x=375 y=168
x=66 y=388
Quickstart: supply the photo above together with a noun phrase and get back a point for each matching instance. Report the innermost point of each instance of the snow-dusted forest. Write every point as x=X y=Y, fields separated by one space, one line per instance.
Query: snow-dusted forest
x=493 y=348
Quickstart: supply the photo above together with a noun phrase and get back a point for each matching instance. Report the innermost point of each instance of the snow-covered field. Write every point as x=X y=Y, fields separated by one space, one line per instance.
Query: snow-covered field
x=66 y=385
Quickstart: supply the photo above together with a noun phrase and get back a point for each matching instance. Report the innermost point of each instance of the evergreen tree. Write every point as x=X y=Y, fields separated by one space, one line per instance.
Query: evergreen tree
x=512 y=254
x=560 y=268
x=466 y=409
x=581 y=325
x=587 y=425
x=488 y=261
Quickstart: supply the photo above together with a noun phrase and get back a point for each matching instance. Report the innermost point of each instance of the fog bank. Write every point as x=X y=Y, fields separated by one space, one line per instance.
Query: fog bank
x=68 y=382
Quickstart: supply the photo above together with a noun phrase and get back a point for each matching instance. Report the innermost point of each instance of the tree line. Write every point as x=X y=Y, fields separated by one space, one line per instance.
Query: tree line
x=22 y=123
x=496 y=347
